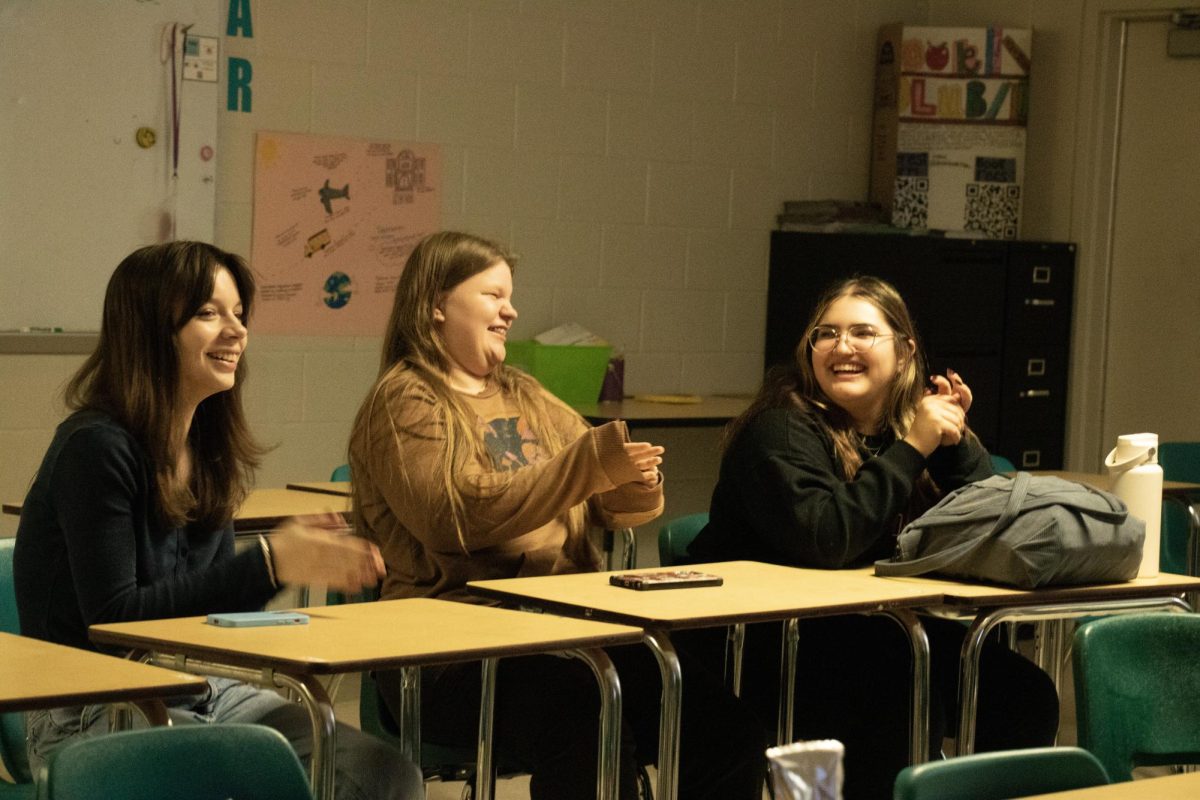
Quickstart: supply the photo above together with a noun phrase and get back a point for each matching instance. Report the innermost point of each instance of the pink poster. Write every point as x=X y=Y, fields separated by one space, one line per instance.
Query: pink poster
x=334 y=221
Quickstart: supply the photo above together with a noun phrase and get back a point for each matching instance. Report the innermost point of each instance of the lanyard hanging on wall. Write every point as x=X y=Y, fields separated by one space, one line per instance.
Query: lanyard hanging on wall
x=174 y=41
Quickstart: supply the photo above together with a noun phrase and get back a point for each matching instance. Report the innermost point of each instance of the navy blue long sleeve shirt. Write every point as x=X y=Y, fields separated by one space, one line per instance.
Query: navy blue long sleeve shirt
x=91 y=546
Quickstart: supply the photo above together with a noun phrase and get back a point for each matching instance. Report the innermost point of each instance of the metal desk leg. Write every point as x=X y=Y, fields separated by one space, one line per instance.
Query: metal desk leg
x=669 y=716
x=787 y=682
x=968 y=685
x=919 y=745
x=609 y=754
x=629 y=553
x=737 y=646
x=324 y=729
x=410 y=713
x=484 y=772
x=311 y=694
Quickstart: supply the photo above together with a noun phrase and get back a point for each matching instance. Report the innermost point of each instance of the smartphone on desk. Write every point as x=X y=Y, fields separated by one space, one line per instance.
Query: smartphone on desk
x=666 y=579
x=255 y=619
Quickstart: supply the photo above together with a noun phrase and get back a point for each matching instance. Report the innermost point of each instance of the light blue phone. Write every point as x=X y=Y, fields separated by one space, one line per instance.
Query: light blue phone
x=254 y=619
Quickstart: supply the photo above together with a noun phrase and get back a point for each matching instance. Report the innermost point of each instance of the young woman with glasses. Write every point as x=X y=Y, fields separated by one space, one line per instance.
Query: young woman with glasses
x=839 y=449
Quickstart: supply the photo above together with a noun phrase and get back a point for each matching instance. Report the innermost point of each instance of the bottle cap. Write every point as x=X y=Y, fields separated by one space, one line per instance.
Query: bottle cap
x=1133 y=450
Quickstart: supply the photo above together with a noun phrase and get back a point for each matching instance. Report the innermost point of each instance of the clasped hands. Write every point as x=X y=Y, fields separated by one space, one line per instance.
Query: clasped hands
x=941 y=417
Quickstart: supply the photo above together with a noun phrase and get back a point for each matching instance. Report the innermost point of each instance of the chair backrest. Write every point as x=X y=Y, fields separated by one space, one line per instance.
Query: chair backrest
x=1001 y=775
x=1000 y=465
x=1180 y=462
x=12 y=723
x=340 y=473
x=676 y=535
x=1137 y=691
x=186 y=762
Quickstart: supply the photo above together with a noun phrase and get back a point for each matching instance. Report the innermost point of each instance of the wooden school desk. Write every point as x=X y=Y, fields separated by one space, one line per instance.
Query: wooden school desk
x=710 y=412
x=988 y=606
x=336 y=488
x=265 y=509
x=386 y=634
x=752 y=592
x=35 y=674
x=1168 y=787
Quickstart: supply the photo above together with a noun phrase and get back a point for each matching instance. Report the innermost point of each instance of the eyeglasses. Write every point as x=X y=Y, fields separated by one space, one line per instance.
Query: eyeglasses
x=824 y=338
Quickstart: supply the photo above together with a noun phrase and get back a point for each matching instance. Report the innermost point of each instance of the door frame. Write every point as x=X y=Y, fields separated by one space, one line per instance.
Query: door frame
x=1102 y=67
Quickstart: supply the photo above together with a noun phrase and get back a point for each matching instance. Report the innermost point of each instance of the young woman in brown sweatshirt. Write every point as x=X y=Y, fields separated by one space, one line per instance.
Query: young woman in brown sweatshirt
x=465 y=469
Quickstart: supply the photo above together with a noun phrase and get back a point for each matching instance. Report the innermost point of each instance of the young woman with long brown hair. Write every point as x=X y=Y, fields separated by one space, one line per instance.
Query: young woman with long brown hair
x=129 y=516
x=837 y=451
x=464 y=469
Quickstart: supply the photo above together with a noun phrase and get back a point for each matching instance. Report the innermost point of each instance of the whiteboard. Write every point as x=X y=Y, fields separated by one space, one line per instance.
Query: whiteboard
x=77 y=79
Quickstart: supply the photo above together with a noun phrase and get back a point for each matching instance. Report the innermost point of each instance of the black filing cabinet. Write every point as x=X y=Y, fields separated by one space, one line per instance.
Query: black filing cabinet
x=998 y=312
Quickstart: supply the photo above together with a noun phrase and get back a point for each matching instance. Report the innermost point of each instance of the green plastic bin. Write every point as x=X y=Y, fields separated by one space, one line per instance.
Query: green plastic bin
x=572 y=372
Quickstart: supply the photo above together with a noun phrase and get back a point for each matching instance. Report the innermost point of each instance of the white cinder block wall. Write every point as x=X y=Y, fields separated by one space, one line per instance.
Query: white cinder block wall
x=633 y=152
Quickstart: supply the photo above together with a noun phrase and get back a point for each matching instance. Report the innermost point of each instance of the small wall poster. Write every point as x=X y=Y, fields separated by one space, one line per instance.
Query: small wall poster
x=334 y=221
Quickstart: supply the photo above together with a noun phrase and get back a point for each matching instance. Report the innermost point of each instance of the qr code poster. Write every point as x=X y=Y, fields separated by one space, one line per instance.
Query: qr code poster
x=974 y=187
x=948 y=138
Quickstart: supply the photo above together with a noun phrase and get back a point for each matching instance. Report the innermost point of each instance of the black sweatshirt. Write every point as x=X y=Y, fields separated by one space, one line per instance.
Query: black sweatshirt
x=91 y=546
x=781 y=496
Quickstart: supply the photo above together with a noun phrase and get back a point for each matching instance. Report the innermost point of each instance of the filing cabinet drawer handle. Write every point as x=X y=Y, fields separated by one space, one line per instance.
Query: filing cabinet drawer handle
x=1034 y=393
x=1041 y=274
x=1039 y=302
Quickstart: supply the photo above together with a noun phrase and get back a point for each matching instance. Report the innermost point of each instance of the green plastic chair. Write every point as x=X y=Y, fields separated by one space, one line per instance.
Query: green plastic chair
x=1001 y=775
x=187 y=762
x=676 y=535
x=1180 y=462
x=12 y=723
x=1001 y=465
x=341 y=473
x=1137 y=691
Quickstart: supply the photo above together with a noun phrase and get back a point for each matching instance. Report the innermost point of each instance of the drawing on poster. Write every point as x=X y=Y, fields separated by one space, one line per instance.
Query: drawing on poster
x=334 y=220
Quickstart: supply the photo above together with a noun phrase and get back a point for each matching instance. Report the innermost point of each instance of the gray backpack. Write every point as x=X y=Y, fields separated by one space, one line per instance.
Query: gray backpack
x=1025 y=532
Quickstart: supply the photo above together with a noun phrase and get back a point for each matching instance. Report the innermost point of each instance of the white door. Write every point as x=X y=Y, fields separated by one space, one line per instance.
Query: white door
x=1152 y=376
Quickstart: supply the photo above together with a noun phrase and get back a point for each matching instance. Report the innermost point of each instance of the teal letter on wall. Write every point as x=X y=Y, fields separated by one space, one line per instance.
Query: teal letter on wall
x=239 y=19
x=240 y=73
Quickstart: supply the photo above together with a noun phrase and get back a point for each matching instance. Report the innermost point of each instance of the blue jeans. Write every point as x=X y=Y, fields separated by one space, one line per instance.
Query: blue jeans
x=367 y=768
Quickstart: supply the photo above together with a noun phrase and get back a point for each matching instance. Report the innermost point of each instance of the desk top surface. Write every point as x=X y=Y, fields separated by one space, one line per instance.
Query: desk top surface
x=960 y=593
x=36 y=674
x=359 y=636
x=1103 y=481
x=708 y=412
x=340 y=488
x=1168 y=787
x=266 y=508
x=752 y=592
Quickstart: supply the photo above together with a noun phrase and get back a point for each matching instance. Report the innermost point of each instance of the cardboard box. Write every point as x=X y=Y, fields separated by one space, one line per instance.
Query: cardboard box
x=571 y=372
x=948 y=140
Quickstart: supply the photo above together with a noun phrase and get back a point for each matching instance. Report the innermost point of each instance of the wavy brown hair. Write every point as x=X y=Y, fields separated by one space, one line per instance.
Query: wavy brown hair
x=795 y=384
x=413 y=346
x=133 y=375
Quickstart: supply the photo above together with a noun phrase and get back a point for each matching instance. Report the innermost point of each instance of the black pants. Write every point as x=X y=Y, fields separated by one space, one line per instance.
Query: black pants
x=547 y=723
x=853 y=684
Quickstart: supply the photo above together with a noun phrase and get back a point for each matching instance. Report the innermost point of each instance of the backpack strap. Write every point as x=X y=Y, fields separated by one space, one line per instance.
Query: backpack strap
x=962 y=550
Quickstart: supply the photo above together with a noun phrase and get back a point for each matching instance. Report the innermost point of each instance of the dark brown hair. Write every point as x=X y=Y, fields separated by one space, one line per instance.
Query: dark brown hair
x=133 y=375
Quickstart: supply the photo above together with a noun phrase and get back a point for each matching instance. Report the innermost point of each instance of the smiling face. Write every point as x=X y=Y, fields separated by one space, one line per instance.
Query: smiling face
x=211 y=342
x=858 y=380
x=472 y=320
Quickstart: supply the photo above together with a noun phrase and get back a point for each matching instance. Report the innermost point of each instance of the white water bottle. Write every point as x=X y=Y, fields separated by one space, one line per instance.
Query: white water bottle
x=1138 y=481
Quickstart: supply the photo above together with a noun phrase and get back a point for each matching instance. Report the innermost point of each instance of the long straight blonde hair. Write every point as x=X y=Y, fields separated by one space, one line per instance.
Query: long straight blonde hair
x=413 y=348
